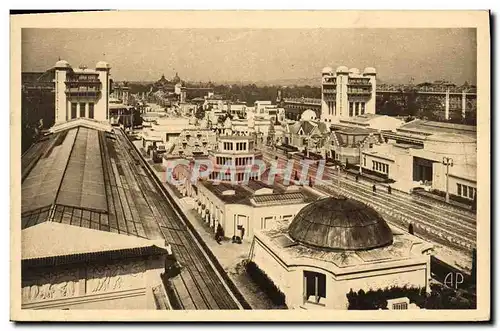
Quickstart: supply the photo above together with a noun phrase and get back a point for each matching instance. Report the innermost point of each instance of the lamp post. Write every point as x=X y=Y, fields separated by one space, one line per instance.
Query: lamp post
x=338 y=176
x=448 y=162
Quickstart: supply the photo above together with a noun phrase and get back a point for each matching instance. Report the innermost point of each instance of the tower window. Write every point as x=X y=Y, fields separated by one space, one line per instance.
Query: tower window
x=91 y=110
x=82 y=109
x=73 y=110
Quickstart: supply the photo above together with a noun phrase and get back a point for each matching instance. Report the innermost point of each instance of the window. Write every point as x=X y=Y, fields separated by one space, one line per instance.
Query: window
x=314 y=287
x=350 y=109
x=91 y=110
x=73 y=110
x=381 y=167
x=466 y=191
x=82 y=109
x=362 y=108
x=264 y=222
x=364 y=161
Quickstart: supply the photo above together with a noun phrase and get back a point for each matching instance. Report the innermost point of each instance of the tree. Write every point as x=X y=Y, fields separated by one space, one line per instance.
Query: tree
x=200 y=113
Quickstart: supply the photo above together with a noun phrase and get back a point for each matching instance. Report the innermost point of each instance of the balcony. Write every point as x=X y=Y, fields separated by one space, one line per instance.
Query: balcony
x=82 y=93
x=329 y=91
x=78 y=83
x=357 y=82
x=359 y=92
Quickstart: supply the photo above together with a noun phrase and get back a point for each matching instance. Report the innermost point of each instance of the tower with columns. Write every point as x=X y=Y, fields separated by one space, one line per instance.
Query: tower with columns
x=347 y=93
x=81 y=92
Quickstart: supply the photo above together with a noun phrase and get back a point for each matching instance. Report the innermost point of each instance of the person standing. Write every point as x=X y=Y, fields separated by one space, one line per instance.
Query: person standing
x=374 y=188
x=389 y=189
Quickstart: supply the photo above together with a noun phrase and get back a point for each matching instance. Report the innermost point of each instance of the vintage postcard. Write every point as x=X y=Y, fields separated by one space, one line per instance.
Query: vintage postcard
x=270 y=166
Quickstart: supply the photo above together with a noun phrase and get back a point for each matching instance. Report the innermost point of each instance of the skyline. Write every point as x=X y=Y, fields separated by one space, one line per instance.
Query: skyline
x=258 y=55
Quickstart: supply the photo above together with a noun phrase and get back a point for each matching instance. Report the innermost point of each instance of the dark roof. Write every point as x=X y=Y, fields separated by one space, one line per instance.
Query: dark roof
x=340 y=224
x=90 y=178
x=240 y=195
x=284 y=198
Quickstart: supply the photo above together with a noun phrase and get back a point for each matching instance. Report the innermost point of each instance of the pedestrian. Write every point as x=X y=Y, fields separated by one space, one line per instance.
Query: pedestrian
x=374 y=188
x=242 y=232
x=410 y=228
x=219 y=233
x=389 y=189
x=357 y=178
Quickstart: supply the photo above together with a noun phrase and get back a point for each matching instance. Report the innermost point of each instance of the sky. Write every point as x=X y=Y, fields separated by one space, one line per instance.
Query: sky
x=262 y=55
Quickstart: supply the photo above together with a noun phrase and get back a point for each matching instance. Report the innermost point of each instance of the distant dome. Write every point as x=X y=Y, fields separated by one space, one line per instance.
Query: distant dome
x=340 y=224
x=354 y=71
x=308 y=115
x=62 y=64
x=327 y=70
x=370 y=71
x=342 y=70
x=102 y=65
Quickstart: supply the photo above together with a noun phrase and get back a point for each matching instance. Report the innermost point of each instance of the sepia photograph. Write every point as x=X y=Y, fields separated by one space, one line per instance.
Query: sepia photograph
x=269 y=166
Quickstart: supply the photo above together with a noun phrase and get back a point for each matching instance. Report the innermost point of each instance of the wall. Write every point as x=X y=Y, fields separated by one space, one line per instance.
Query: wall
x=259 y=216
x=271 y=265
x=456 y=177
x=87 y=286
x=101 y=111
x=60 y=96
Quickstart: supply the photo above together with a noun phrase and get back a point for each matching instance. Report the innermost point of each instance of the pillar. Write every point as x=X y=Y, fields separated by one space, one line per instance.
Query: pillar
x=447 y=105
x=464 y=103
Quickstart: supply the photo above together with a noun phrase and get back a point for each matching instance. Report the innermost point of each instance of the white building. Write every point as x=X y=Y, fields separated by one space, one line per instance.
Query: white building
x=81 y=92
x=333 y=246
x=414 y=166
x=415 y=153
x=166 y=130
x=347 y=93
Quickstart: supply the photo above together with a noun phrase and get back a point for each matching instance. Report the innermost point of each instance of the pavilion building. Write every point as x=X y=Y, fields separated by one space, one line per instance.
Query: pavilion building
x=333 y=246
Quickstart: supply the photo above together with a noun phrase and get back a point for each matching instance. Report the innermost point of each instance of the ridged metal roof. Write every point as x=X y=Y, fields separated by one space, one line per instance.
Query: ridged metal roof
x=340 y=224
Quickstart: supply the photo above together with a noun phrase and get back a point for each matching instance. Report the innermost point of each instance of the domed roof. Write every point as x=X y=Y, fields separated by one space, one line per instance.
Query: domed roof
x=340 y=224
x=354 y=71
x=102 y=65
x=62 y=64
x=327 y=70
x=308 y=115
x=342 y=69
x=370 y=71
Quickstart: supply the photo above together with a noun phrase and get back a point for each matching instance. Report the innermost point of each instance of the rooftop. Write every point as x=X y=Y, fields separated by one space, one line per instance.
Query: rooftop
x=249 y=194
x=404 y=246
x=423 y=127
x=340 y=224
x=48 y=242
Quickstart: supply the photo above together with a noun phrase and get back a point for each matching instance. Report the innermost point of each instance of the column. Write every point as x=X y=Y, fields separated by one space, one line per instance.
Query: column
x=447 y=105
x=464 y=102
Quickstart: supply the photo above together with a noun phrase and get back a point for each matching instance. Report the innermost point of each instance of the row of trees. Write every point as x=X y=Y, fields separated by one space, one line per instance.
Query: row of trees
x=440 y=297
